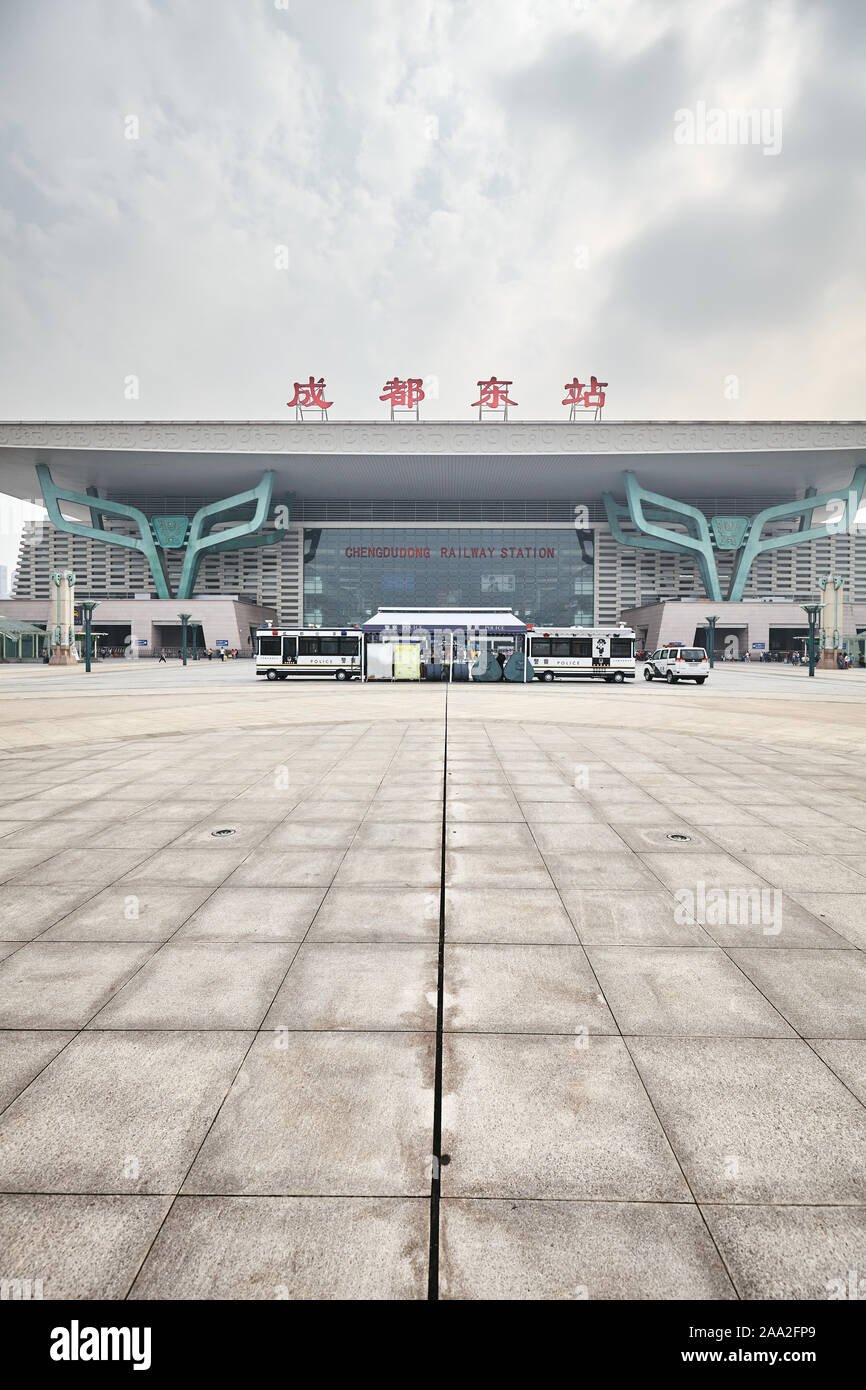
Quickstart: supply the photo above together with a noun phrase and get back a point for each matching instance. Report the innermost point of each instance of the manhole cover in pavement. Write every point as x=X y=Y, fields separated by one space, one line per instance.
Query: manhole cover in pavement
x=220 y=833
x=680 y=839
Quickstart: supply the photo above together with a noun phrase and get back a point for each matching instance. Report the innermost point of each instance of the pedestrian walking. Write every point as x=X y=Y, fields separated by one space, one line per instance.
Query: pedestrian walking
x=162 y=658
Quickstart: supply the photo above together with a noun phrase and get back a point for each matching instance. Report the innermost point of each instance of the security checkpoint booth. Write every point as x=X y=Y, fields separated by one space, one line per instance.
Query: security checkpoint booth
x=445 y=644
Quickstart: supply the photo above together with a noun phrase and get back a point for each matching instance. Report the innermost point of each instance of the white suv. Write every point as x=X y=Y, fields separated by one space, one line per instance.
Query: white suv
x=677 y=664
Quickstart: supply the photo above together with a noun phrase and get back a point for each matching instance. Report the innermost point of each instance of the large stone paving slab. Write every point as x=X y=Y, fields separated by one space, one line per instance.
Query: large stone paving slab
x=545 y=1117
x=388 y=913
x=117 y=1112
x=150 y=912
x=200 y=984
x=845 y=913
x=346 y=1114
x=253 y=914
x=23 y=1054
x=358 y=985
x=530 y=915
x=25 y=916
x=62 y=984
x=630 y=917
x=847 y=1058
x=79 y=1247
x=577 y=1250
x=822 y=993
x=494 y=988
x=756 y=1120
x=290 y=1247
x=664 y=990
x=792 y=1252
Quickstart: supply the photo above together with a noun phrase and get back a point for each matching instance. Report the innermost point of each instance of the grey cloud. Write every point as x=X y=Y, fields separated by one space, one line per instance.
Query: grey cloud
x=446 y=251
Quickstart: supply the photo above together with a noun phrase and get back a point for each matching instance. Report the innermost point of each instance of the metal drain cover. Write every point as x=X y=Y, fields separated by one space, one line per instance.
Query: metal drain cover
x=680 y=839
x=219 y=834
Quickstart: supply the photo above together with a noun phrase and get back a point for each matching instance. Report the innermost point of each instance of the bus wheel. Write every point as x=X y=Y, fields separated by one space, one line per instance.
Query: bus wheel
x=548 y=676
x=647 y=674
x=618 y=677
x=342 y=675
x=272 y=675
x=671 y=678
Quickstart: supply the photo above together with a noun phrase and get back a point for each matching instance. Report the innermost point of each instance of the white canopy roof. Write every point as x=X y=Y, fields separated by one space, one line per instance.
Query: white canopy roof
x=450 y=619
x=432 y=459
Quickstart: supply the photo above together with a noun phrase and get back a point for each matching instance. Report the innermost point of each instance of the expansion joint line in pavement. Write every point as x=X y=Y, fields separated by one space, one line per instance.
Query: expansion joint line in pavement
x=435 y=1180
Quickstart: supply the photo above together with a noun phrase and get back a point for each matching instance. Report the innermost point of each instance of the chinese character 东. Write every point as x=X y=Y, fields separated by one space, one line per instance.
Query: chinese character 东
x=493 y=395
x=309 y=395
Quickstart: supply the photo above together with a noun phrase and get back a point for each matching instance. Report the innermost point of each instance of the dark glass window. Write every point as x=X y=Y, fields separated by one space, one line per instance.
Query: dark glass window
x=350 y=571
x=270 y=646
x=560 y=646
x=581 y=646
x=541 y=646
x=330 y=646
x=308 y=646
x=348 y=646
x=620 y=646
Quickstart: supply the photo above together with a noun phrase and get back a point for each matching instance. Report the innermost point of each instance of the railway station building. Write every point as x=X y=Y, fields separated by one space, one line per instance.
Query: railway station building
x=314 y=522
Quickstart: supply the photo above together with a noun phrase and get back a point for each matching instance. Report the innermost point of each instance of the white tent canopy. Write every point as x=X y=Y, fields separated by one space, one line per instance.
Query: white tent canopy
x=493 y=620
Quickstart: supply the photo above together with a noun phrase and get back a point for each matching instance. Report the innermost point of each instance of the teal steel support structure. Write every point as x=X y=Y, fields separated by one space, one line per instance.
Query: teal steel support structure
x=159 y=534
x=651 y=516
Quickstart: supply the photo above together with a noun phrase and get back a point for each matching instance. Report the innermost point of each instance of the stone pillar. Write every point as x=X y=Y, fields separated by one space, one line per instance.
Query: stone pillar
x=62 y=619
x=831 y=586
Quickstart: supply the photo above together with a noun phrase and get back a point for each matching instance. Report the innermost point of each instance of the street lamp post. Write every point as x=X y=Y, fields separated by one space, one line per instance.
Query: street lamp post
x=184 y=618
x=87 y=606
x=711 y=624
x=812 y=610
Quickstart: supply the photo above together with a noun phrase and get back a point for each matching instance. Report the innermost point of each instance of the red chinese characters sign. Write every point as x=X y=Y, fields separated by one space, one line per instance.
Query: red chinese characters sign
x=582 y=397
x=403 y=395
x=310 y=395
x=493 y=395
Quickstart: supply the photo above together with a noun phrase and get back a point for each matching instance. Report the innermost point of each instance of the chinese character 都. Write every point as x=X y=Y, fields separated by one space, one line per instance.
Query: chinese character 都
x=403 y=395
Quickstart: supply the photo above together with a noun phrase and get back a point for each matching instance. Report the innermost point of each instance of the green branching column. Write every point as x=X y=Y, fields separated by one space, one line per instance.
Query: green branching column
x=651 y=515
x=162 y=533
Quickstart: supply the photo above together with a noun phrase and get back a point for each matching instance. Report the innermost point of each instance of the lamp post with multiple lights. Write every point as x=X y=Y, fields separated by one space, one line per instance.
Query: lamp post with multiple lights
x=184 y=619
x=87 y=606
x=812 y=611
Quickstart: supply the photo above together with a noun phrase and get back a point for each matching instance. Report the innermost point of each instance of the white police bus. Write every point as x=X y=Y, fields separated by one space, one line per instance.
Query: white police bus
x=282 y=652
x=592 y=653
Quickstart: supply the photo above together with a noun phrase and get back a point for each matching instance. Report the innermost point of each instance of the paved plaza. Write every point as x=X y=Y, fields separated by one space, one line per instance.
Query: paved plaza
x=228 y=1059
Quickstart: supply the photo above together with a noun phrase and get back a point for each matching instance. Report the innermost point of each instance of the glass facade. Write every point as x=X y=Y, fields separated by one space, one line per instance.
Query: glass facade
x=545 y=574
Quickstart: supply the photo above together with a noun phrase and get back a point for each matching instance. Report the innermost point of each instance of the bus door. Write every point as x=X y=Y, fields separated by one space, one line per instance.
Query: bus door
x=290 y=651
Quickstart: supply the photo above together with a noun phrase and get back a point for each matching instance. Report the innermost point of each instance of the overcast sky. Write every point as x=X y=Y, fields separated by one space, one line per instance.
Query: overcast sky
x=462 y=189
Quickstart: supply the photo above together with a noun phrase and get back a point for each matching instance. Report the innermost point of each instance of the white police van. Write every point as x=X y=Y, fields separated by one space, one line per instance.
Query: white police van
x=674 y=664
